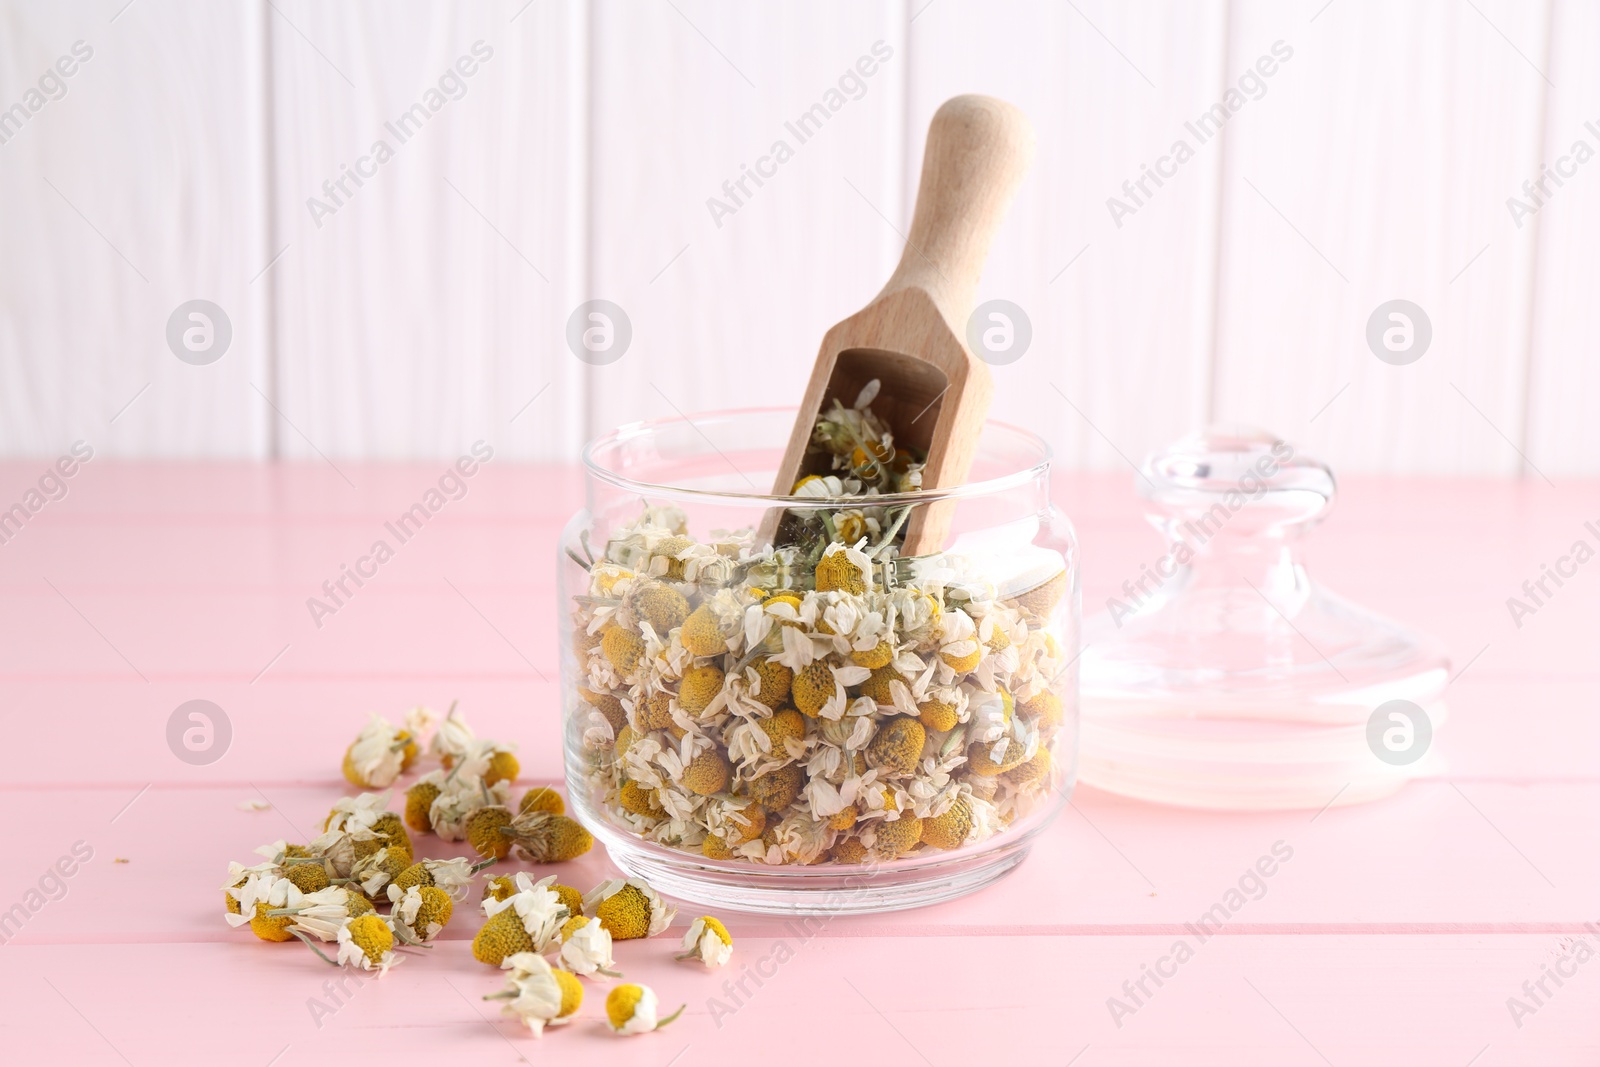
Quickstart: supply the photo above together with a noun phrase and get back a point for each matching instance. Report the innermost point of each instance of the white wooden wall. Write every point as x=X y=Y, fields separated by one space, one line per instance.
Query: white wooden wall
x=430 y=308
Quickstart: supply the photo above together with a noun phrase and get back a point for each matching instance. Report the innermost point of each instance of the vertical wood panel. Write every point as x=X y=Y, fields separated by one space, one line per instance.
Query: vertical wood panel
x=1388 y=142
x=685 y=95
x=427 y=310
x=1118 y=363
x=1563 y=435
x=139 y=189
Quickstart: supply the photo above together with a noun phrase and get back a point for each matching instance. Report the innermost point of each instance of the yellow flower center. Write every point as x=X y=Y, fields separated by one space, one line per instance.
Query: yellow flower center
x=621 y=1003
x=372 y=936
x=625 y=914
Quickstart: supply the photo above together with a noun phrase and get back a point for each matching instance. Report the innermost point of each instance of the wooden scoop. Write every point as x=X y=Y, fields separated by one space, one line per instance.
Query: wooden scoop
x=935 y=394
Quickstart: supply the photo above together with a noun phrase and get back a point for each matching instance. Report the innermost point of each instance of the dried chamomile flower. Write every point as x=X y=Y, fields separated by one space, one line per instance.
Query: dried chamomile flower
x=959 y=646
x=707 y=773
x=951 y=828
x=586 y=947
x=632 y=1009
x=452 y=876
x=814 y=687
x=376 y=871
x=498 y=759
x=463 y=795
x=658 y=604
x=1032 y=771
x=308 y=877
x=420 y=797
x=421 y=913
x=537 y=994
x=570 y=898
x=938 y=715
x=367 y=942
x=391 y=831
x=544 y=838
x=850 y=850
x=608 y=706
x=622 y=648
x=381 y=751
x=628 y=908
x=1045 y=708
x=897 y=746
x=897 y=837
x=844 y=568
x=639 y=800
x=777 y=789
x=529 y=920
x=453 y=738
x=499 y=888
x=702 y=633
x=357 y=813
x=708 y=941
x=542 y=798
x=773 y=680
x=489 y=831
x=699 y=687
x=324 y=913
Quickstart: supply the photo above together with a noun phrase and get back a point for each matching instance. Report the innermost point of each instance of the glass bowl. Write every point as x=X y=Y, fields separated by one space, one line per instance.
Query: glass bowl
x=741 y=738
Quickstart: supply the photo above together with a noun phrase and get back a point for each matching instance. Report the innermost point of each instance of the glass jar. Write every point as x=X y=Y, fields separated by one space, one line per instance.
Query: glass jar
x=742 y=739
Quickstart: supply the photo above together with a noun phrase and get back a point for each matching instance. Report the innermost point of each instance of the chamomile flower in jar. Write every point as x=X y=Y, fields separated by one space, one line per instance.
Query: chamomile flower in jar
x=586 y=947
x=824 y=696
x=537 y=994
x=634 y=1009
x=708 y=941
x=628 y=908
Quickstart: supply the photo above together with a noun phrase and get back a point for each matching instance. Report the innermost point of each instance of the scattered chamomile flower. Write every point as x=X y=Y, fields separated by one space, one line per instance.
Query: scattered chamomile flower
x=453 y=738
x=498 y=761
x=376 y=871
x=499 y=888
x=381 y=751
x=462 y=795
x=708 y=941
x=544 y=838
x=356 y=813
x=542 y=798
x=452 y=876
x=632 y=1009
x=529 y=920
x=537 y=994
x=322 y=914
x=570 y=898
x=367 y=942
x=586 y=947
x=421 y=913
x=628 y=908
x=489 y=831
x=419 y=800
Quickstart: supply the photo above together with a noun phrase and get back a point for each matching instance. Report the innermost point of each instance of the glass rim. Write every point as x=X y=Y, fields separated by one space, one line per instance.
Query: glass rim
x=646 y=427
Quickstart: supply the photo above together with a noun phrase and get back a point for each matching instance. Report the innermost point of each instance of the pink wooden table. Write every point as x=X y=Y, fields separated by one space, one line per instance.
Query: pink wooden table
x=1395 y=934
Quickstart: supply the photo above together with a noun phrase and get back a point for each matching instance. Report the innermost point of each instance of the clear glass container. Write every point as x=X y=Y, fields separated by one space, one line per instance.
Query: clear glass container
x=742 y=739
x=1221 y=676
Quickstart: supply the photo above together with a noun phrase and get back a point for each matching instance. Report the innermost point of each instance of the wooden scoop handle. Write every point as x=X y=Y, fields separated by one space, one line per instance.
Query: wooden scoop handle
x=978 y=150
